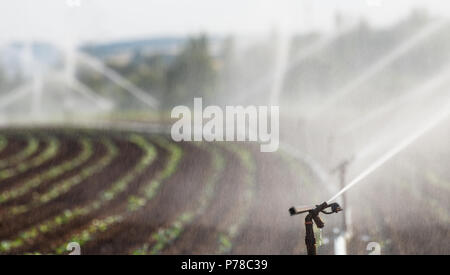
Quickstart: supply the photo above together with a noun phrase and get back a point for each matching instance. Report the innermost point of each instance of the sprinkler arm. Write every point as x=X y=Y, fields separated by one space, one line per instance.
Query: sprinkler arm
x=313 y=217
x=295 y=210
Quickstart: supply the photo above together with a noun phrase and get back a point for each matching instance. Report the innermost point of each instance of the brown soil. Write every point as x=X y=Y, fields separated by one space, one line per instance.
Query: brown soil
x=176 y=195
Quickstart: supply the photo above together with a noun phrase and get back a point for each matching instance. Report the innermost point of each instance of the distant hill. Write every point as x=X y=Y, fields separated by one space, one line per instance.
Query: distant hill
x=162 y=45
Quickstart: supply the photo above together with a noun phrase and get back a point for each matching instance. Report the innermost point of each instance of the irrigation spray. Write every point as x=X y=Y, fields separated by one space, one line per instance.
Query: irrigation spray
x=314 y=211
x=440 y=117
x=378 y=66
x=417 y=93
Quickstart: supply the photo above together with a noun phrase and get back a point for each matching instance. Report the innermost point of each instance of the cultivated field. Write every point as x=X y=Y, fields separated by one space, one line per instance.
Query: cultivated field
x=130 y=193
x=117 y=192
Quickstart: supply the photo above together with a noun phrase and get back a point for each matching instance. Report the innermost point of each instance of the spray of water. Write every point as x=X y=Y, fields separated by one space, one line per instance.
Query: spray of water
x=298 y=57
x=36 y=95
x=295 y=153
x=400 y=50
x=70 y=66
x=101 y=102
x=420 y=91
x=317 y=169
x=282 y=56
x=440 y=117
x=119 y=80
x=15 y=95
x=74 y=84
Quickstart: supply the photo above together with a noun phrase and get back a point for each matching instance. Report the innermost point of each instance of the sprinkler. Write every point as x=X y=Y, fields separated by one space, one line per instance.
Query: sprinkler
x=313 y=217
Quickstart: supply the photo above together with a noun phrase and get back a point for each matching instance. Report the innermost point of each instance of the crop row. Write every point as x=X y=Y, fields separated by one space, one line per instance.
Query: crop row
x=50 y=151
x=99 y=214
x=166 y=235
x=119 y=186
x=49 y=174
x=135 y=202
x=65 y=185
x=30 y=148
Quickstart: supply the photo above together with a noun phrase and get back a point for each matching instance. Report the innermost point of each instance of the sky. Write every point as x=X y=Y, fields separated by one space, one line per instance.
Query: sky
x=64 y=21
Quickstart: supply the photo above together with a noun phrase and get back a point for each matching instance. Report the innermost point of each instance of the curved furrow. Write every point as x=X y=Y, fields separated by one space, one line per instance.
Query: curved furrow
x=29 y=236
x=49 y=174
x=30 y=148
x=62 y=186
x=103 y=218
x=113 y=226
x=74 y=149
x=50 y=152
x=214 y=231
x=15 y=144
x=80 y=195
x=166 y=235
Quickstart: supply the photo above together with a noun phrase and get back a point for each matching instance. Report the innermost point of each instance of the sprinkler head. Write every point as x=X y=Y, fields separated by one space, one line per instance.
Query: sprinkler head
x=335 y=208
x=295 y=210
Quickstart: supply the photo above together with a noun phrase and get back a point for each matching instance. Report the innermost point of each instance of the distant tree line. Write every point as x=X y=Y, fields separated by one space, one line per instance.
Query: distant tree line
x=230 y=72
x=172 y=79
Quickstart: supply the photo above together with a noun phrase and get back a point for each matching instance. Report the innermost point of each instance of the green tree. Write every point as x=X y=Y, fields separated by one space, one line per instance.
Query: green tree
x=191 y=74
